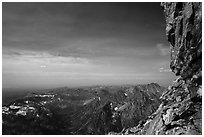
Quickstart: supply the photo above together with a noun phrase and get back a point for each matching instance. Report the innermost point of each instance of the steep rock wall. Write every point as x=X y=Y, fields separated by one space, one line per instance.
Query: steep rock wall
x=181 y=109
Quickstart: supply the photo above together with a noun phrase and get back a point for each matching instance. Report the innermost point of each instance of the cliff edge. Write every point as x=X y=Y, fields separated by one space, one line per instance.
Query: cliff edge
x=181 y=109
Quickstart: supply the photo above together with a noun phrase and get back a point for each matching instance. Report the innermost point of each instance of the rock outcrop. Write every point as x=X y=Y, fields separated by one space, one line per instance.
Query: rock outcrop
x=181 y=109
x=99 y=112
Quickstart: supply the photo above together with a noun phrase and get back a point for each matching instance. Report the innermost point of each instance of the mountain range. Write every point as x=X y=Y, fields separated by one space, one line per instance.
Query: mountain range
x=88 y=110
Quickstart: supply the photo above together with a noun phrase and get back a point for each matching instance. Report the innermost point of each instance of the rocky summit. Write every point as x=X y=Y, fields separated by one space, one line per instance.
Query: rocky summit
x=181 y=109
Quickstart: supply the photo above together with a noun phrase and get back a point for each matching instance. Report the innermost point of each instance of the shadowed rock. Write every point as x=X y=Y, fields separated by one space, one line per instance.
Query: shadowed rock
x=181 y=109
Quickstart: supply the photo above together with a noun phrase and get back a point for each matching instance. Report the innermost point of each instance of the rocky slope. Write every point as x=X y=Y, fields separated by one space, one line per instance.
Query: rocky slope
x=181 y=109
x=90 y=110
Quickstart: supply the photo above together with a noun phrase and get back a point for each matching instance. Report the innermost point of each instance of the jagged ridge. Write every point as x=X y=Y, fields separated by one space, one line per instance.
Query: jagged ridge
x=181 y=109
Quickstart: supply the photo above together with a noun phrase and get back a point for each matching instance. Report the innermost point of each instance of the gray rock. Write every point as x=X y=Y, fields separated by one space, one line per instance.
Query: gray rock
x=180 y=112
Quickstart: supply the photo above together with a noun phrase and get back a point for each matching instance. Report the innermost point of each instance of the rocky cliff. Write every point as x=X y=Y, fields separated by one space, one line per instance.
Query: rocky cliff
x=181 y=109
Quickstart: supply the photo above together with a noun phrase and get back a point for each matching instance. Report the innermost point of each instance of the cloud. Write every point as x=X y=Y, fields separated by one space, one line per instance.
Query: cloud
x=43 y=66
x=71 y=40
x=40 y=57
x=164 y=50
x=164 y=70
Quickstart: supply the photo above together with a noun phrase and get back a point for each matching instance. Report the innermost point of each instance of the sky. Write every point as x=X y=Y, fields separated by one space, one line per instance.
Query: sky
x=80 y=44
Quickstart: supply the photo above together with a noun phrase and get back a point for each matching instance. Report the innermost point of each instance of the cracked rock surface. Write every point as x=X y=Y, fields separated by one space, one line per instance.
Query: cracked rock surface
x=181 y=109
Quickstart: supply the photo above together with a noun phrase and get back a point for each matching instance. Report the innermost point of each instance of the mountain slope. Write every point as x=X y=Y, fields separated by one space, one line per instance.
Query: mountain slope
x=90 y=110
x=181 y=109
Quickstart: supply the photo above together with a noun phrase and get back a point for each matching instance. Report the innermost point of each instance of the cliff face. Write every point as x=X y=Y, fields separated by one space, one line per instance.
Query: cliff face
x=181 y=109
x=184 y=32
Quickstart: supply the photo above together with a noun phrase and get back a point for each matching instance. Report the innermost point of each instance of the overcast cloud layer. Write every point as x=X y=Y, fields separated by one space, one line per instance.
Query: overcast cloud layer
x=75 y=44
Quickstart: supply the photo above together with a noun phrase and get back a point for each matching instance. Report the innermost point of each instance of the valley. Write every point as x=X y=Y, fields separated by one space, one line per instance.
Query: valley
x=81 y=111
